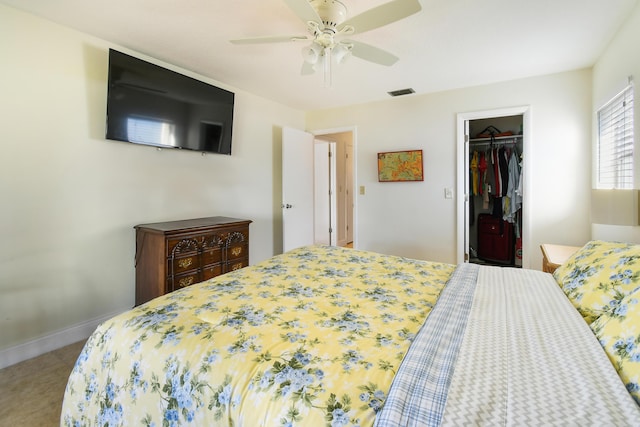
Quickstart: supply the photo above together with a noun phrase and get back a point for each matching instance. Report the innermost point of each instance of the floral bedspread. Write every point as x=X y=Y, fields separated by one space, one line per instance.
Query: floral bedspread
x=309 y=338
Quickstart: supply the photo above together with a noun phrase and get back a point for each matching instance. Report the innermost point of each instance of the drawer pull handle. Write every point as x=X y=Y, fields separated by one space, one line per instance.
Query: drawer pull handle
x=236 y=251
x=184 y=263
x=237 y=266
x=185 y=282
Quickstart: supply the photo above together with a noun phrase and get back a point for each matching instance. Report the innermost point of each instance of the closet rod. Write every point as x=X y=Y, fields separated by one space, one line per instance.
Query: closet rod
x=497 y=138
x=501 y=142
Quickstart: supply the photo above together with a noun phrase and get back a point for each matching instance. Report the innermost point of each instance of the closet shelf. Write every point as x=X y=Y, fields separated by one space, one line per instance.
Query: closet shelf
x=497 y=138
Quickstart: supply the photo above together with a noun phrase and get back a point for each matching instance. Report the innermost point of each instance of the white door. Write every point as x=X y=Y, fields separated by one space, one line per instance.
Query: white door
x=325 y=193
x=297 y=188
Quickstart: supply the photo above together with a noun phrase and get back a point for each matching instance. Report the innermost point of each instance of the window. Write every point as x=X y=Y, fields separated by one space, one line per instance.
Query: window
x=150 y=131
x=614 y=165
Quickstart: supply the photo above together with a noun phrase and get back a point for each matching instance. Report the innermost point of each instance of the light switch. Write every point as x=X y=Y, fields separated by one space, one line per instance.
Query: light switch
x=362 y=190
x=448 y=193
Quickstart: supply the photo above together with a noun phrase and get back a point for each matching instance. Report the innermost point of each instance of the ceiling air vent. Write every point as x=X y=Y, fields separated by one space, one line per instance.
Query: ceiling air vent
x=401 y=92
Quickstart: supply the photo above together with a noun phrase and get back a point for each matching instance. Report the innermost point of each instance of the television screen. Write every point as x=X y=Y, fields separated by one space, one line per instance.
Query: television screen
x=151 y=105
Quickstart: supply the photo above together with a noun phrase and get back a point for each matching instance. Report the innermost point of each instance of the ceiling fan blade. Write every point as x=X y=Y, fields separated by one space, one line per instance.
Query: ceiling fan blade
x=382 y=15
x=304 y=10
x=372 y=53
x=269 y=39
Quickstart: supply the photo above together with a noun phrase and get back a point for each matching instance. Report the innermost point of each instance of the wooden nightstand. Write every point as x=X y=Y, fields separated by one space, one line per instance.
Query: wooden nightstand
x=553 y=256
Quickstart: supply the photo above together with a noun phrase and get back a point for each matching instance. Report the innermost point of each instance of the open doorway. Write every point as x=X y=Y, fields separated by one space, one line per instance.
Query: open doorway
x=480 y=132
x=344 y=140
x=495 y=199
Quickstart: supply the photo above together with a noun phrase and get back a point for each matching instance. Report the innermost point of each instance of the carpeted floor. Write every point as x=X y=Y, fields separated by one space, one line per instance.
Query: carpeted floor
x=31 y=391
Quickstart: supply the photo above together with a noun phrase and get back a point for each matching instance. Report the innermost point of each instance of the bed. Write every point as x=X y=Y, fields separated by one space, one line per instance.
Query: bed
x=340 y=337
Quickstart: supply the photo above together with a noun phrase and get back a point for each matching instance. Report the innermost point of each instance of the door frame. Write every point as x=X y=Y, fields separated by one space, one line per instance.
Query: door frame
x=462 y=227
x=354 y=162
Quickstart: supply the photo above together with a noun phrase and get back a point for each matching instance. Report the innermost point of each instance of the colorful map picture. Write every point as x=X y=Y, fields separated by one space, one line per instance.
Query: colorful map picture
x=400 y=166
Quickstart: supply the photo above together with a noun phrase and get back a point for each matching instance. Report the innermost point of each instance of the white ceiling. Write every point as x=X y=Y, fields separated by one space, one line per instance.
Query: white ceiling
x=449 y=44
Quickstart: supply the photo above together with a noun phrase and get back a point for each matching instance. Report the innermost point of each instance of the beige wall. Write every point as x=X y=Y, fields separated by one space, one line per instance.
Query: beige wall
x=620 y=60
x=414 y=219
x=70 y=198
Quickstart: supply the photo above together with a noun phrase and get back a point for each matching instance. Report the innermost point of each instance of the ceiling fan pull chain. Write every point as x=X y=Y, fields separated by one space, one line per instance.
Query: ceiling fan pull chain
x=327 y=66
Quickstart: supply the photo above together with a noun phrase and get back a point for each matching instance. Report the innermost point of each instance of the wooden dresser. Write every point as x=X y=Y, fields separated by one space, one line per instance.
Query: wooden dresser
x=172 y=255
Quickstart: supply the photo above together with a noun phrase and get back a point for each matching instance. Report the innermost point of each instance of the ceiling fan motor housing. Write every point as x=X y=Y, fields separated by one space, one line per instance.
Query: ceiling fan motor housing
x=332 y=12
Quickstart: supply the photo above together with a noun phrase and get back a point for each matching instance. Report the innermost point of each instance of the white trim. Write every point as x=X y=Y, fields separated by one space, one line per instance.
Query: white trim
x=462 y=168
x=54 y=341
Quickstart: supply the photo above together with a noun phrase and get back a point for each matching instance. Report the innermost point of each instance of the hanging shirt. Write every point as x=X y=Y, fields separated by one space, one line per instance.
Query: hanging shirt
x=482 y=171
x=520 y=189
x=504 y=169
x=490 y=180
x=473 y=165
x=515 y=200
x=497 y=191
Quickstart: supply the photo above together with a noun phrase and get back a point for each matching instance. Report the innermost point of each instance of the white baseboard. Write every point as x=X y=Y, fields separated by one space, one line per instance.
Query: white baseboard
x=54 y=341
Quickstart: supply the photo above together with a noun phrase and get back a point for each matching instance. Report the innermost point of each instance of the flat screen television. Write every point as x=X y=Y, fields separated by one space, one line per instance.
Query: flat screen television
x=151 y=105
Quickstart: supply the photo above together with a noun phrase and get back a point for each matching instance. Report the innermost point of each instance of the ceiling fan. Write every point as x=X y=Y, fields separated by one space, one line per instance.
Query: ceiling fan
x=327 y=22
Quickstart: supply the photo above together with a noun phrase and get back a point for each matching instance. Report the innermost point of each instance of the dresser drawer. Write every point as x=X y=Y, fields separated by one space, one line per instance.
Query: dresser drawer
x=211 y=271
x=237 y=251
x=211 y=255
x=213 y=241
x=183 y=280
x=236 y=264
x=182 y=246
x=183 y=264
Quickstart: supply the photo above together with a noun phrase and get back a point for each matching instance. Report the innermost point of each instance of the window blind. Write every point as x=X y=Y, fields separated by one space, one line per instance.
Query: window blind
x=150 y=131
x=615 y=142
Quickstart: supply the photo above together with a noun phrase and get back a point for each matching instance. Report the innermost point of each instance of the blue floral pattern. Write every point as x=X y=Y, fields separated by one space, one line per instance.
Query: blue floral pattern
x=599 y=275
x=619 y=334
x=309 y=338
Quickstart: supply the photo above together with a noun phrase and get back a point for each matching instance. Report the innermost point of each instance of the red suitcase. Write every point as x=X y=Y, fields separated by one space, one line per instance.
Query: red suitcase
x=495 y=239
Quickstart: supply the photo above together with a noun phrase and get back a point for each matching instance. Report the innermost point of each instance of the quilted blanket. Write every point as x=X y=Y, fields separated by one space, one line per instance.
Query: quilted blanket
x=309 y=338
x=525 y=357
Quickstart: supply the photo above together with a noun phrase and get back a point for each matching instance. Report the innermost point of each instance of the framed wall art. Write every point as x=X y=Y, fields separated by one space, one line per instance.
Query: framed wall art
x=398 y=166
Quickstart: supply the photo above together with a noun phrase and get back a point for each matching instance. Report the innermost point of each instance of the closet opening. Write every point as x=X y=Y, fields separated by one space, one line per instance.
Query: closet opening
x=495 y=190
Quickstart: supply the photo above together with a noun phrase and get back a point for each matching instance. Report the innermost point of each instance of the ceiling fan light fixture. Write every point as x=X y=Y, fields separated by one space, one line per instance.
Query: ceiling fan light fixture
x=341 y=52
x=312 y=53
